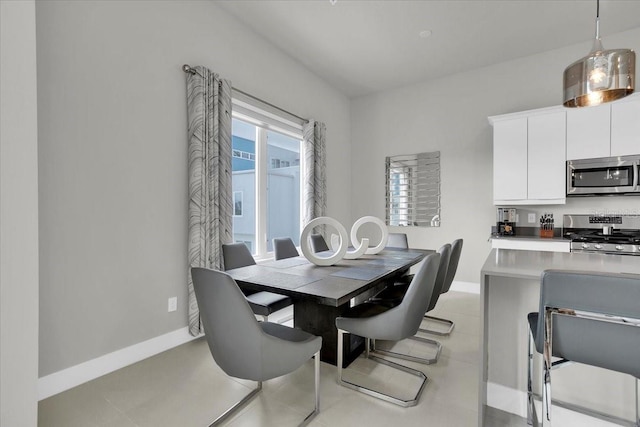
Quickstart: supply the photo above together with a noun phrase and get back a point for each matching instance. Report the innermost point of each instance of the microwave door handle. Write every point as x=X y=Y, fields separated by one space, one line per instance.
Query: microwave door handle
x=635 y=177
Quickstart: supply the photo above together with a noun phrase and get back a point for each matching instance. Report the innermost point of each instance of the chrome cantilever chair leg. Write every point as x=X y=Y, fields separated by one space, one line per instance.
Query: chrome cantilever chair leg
x=237 y=406
x=529 y=374
x=439 y=320
x=257 y=390
x=404 y=356
x=376 y=393
x=316 y=410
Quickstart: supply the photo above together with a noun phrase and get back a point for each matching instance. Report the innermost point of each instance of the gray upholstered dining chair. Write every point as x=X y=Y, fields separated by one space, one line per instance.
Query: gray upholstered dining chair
x=318 y=244
x=456 y=250
x=283 y=247
x=397 y=240
x=394 y=295
x=589 y=318
x=374 y=321
x=236 y=255
x=245 y=348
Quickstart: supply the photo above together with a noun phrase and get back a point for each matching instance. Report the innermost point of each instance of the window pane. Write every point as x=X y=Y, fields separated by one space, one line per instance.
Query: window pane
x=283 y=188
x=243 y=139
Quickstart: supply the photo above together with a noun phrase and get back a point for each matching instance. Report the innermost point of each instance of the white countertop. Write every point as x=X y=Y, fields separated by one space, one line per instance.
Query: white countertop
x=531 y=264
x=531 y=238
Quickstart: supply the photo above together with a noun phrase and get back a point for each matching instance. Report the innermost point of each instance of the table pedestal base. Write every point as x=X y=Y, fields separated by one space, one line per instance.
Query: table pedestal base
x=320 y=320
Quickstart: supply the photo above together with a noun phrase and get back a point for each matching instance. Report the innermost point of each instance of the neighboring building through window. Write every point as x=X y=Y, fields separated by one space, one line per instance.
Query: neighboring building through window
x=266 y=182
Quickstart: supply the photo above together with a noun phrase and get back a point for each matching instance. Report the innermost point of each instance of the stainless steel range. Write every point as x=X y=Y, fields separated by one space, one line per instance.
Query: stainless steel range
x=607 y=234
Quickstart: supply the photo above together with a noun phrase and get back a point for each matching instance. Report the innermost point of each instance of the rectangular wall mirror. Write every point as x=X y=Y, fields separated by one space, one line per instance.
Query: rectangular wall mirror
x=413 y=190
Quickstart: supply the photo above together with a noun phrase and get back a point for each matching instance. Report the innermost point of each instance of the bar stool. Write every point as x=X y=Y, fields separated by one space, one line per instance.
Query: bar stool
x=588 y=318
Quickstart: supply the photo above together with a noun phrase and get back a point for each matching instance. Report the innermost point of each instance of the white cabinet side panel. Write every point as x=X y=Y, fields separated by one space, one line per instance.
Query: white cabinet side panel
x=510 y=159
x=547 y=161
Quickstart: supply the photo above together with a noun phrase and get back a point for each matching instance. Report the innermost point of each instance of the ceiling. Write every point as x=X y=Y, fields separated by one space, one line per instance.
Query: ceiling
x=361 y=47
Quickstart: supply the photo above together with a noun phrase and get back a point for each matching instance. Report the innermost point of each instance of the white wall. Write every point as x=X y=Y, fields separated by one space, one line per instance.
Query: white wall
x=113 y=159
x=18 y=215
x=450 y=115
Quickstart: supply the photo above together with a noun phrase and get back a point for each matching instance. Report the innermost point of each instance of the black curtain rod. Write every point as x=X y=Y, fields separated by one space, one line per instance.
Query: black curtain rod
x=187 y=69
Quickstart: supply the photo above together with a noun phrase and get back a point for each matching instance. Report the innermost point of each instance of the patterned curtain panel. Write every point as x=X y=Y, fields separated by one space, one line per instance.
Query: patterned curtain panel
x=210 y=194
x=315 y=190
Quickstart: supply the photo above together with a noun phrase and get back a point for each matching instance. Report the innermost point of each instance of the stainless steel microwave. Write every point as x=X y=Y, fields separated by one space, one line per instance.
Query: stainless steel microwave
x=605 y=176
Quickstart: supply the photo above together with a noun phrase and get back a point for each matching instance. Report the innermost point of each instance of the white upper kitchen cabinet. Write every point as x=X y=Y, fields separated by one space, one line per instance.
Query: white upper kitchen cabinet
x=546 y=156
x=625 y=127
x=529 y=157
x=589 y=132
x=510 y=160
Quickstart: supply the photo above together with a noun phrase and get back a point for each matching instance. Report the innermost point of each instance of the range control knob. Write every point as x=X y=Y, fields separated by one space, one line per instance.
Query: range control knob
x=585 y=246
x=598 y=246
x=619 y=247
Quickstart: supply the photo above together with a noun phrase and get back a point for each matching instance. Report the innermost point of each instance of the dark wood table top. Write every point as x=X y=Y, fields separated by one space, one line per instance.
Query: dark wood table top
x=334 y=285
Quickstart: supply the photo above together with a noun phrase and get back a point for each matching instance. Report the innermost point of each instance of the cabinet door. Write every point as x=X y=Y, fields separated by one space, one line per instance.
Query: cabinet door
x=625 y=128
x=510 y=159
x=546 y=160
x=589 y=132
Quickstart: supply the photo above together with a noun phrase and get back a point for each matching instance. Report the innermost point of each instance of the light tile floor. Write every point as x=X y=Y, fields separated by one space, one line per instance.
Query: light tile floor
x=184 y=387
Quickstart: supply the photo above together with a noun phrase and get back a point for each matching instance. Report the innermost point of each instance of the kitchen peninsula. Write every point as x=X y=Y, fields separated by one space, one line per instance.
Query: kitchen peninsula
x=510 y=282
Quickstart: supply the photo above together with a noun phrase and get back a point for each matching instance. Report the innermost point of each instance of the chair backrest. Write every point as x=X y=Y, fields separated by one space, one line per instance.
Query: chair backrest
x=397 y=240
x=231 y=329
x=283 y=247
x=411 y=310
x=318 y=244
x=599 y=343
x=236 y=255
x=443 y=268
x=456 y=250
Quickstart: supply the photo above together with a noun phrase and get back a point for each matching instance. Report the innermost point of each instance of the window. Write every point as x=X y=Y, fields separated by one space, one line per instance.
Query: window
x=265 y=177
x=237 y=203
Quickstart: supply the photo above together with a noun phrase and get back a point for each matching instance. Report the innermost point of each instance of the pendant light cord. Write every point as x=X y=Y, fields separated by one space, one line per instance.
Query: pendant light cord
x=597 y=19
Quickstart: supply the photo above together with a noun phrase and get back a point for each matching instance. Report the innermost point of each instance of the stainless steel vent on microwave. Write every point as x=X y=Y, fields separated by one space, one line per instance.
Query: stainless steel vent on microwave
x=610 y=175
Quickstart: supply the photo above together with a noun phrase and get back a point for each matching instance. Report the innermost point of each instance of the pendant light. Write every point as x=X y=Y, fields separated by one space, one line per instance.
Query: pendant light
x=601 y=76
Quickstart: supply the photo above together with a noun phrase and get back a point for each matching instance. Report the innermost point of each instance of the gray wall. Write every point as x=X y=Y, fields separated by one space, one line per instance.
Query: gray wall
x=113 y=159
x=18 y=216
x=450 y=115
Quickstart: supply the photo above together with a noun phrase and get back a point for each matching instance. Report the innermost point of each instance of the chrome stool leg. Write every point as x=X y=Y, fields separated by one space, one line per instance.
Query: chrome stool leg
x=529 y=374
x=638 y=402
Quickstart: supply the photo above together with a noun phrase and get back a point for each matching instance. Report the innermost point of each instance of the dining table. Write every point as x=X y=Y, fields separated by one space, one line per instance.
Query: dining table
x=320 y=294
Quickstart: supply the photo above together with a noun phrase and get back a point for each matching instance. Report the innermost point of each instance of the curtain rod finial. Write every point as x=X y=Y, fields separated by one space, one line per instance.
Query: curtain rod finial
x=187 y=69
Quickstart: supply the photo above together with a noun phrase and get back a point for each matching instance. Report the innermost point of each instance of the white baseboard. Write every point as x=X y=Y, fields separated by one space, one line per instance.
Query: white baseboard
x=515 y=402
x=71 y=377
x=469 y=287
x=507 y=399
